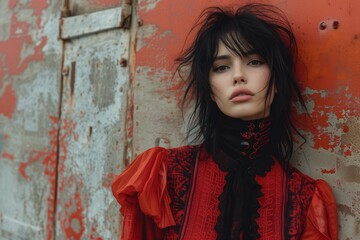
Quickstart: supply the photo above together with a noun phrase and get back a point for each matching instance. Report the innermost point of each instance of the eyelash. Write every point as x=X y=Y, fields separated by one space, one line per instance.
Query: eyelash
x=258 y=62
x=222 y=68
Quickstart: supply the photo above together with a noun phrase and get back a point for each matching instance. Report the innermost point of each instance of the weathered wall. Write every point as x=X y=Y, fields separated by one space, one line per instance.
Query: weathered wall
x=73 y=111
x=62 y=112
x=331 y=53
x=30 y=59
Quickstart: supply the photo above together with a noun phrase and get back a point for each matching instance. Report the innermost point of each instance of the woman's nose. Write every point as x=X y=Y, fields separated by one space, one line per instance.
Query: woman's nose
x=238 y=76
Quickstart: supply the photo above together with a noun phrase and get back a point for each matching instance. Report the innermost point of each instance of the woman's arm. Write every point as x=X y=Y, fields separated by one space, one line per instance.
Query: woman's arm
x=141 y=190
x=322 y=221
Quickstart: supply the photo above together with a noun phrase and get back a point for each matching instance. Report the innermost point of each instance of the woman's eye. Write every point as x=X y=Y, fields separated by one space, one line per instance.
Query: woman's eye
x=220 y=68
x=256 y=62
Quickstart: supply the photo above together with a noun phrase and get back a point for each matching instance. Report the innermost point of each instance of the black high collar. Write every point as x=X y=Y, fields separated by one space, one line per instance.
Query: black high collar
x=247 y=140
x=244 y=152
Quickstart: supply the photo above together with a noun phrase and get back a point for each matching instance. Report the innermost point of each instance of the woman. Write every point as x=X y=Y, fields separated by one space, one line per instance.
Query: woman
x=238 y=183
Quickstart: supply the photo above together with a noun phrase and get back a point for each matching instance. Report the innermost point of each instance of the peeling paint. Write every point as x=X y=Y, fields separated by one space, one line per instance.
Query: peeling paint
x=107 y=3
x=147 y=97
x=350 y=173
x=94 y=102
x=12 y=49
x=7 y=102
x=351 y=133
x=48 y=158
x=145 y=36
x=88 y=6
x=36 y=93
x=72 y=218
x=104 y=92
x=329 y=80
x=1 y=142
x=107 y=179
x=148 y=5
x=330 y=171
x=21 y=37
x=28 y=95
x=67 y=131
x=107 y=111
x=94 y=235
x=7 y=155
x=344 y=209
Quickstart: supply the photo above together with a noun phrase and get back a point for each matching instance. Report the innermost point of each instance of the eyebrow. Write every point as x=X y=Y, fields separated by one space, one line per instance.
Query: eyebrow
x=222 y=57
x=226 y=56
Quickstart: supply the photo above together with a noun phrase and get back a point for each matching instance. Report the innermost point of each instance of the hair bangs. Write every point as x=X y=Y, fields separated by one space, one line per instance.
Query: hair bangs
x=237 y=44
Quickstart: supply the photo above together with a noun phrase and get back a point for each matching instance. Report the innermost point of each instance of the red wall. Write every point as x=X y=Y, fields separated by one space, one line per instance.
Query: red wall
x=330 y=83
x=33 y=138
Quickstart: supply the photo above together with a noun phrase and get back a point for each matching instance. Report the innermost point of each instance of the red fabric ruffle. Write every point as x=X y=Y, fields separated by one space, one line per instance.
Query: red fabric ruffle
x=144 y=183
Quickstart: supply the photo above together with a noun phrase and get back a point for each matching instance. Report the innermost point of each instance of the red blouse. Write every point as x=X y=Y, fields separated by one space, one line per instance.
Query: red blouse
x=156 y=204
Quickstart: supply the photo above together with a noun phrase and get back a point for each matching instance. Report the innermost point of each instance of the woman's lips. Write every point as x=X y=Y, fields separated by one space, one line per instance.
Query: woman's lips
x=241 y=95
x=241 y=98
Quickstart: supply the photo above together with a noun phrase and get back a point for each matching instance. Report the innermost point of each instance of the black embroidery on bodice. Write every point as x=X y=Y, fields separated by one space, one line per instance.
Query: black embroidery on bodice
x=244 y=152
x=301 y=189
x=181 y=162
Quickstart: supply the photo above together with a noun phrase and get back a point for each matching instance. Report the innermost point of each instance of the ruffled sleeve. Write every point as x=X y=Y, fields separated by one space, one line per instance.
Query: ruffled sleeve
x=141 y=190
x=322 y=220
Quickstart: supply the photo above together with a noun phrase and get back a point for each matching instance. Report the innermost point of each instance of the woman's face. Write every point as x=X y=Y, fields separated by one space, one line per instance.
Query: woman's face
x=239 y=84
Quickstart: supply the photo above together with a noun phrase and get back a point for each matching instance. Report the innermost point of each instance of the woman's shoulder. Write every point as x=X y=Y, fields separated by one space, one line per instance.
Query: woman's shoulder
x=185 y=149
x=187 y=152
x=136 y=175
x=313 y=199
x=295 y=172
x=144 y=182
x=151 y=164
x=159 y=153
x=319 y=189
x=321 y=213
x=297 y=175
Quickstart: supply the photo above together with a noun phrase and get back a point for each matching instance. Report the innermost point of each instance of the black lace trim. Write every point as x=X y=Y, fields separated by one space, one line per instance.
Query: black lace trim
x=245 y=153
x=246 y=177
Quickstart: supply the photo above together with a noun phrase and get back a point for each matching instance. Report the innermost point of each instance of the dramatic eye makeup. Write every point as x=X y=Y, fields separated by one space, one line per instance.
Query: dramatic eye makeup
x=254 y=60
x=222 y=63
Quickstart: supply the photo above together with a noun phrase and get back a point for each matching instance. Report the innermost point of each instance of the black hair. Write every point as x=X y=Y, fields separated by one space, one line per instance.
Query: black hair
x=255 y=28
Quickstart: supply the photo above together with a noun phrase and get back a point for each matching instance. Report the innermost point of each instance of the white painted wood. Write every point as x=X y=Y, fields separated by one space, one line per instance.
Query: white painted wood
x=92 y=23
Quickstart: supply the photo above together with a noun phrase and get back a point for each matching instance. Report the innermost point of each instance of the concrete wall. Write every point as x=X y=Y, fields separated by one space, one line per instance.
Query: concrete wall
x=74 y=110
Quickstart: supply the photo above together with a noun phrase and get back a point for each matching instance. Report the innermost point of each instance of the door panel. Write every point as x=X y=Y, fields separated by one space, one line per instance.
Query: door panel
x=93 y=106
